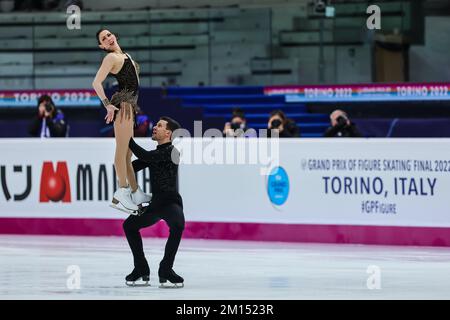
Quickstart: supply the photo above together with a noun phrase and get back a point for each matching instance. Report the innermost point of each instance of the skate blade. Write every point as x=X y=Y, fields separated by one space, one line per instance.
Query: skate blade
x=123 y=209
x=138 y=283
x=169 y=285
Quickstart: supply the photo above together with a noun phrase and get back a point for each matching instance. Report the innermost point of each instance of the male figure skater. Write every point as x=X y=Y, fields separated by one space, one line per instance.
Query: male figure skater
x=166 y=204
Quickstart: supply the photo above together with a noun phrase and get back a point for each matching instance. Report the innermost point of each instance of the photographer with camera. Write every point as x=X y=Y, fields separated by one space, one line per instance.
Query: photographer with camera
x=49 y=122
x=287 y=128
x=238 y=126
x=341 y=126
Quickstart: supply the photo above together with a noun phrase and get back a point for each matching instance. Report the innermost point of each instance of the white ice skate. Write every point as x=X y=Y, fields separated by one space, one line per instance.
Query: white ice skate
x=122 y=201
x=139 y=197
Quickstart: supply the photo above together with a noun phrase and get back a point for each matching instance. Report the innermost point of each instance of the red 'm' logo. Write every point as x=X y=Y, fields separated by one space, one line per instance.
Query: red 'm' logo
x=55 y=186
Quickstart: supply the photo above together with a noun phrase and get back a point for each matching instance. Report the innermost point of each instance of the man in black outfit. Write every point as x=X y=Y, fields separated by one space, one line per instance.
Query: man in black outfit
x=341 y=126
x=166 y=204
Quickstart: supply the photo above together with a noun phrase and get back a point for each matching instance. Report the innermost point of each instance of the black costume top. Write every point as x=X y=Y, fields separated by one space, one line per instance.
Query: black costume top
x=128 y=81
x=163 y=163
x=338 y=131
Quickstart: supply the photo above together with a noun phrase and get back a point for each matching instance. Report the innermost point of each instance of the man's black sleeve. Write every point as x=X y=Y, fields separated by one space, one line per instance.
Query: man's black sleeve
x=138 y=165
x=355 y=132
x=331 y=132
x=144 y=155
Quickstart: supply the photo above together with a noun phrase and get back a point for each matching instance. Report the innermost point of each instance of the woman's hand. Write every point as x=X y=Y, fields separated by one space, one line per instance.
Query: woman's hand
x=42 y=109
x=110 y=109
x=227 y=129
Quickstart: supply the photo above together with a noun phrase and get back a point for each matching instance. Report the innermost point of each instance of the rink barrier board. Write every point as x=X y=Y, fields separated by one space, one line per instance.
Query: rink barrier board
x=296 y=202
x=344 y=234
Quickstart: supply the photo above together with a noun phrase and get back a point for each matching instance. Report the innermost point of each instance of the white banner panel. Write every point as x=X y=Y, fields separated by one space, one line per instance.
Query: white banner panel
x=386 y=182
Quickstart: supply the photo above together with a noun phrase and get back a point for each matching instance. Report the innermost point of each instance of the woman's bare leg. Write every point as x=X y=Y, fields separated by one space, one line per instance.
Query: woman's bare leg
x=130 y=173
x=123 y=130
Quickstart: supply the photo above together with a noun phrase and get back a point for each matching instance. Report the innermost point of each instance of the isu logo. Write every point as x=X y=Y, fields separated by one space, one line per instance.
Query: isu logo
x=55 y=186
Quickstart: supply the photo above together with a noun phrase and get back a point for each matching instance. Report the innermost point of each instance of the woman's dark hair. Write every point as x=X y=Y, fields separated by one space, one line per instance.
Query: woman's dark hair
x=49 y=104
x=44 y=98
x=98 y=33
x=279 y=113
x=292 y=128
x=103 y=29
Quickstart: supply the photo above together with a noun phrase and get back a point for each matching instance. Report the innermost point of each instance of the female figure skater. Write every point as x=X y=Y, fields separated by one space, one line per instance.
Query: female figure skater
x=121 y=110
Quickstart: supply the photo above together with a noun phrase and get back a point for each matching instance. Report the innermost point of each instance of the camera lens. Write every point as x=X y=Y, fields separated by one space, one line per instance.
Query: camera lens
x=48 y=106
x=341 y=120
x=275 y=124
x=235 y=125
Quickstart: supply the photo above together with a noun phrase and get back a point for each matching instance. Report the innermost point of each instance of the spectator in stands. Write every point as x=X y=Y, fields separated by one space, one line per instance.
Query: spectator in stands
x=341 y=126
x=49 y=121
x=238 y=125
x=286 y=127
x=143 y=126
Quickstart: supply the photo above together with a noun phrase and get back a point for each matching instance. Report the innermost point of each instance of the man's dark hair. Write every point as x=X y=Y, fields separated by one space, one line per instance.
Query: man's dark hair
x=172 y=125
x=238 y=112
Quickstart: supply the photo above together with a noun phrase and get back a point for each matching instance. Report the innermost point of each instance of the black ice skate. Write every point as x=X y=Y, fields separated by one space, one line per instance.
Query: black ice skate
x=169 y=279
x=138 y=278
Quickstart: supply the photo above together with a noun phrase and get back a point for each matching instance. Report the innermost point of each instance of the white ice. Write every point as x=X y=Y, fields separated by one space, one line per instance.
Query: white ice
x=35 y=267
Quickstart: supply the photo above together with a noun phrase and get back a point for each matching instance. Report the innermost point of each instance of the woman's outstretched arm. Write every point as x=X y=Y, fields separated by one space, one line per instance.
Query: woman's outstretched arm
x=97 y=84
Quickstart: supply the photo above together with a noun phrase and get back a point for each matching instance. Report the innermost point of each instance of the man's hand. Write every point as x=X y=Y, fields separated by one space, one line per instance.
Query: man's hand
x=110 y=109
x=335 y=116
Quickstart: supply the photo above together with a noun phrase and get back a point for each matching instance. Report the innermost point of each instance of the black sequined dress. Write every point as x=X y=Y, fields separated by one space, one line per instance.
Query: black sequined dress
x=128 y=81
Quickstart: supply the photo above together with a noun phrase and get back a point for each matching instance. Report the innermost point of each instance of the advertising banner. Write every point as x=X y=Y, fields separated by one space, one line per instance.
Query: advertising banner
x=62 y=98
x=395 y=182
x=363 y=92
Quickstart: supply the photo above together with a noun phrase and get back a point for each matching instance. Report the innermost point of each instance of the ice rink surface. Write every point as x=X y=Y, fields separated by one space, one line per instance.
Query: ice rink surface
x=45 y=267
